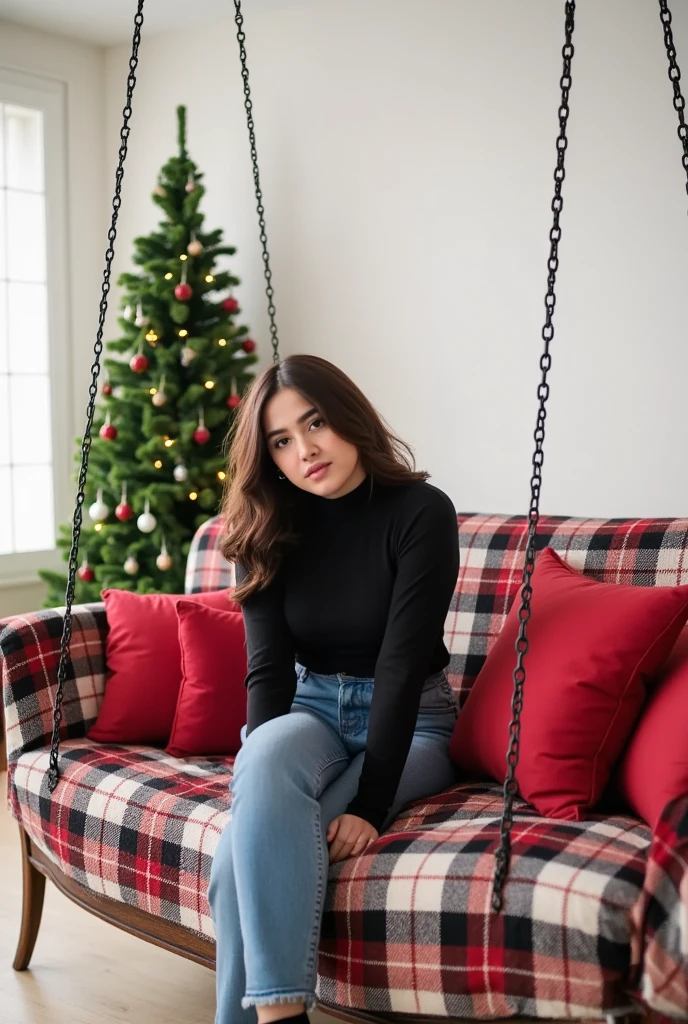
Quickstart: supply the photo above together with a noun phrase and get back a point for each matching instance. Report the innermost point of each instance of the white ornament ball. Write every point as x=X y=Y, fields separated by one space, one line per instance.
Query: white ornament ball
x=194 y=248
x=180 y=473
x=160 y=190
x=142 y=321
x=146 y=522
x=190 y=186
x=98 y=511
x=187 y=355
x=159 y=399
x=118 y=392
x=164 y=561
x=131 y=566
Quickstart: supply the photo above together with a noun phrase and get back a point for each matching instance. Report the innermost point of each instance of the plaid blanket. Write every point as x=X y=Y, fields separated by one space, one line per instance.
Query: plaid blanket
x=595 y=912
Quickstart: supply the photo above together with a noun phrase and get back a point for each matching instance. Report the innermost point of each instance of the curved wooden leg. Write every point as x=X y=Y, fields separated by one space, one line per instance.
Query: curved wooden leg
x=32 y=905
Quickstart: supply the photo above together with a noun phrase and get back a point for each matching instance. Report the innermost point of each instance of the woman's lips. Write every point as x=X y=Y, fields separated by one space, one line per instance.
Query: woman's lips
x=319 y=472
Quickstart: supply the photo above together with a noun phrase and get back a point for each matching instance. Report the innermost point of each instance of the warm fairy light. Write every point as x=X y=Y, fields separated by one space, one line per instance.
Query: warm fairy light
x=169 y=441
x=153 y=391
x=221 y=475
x=158 y=464
x=222 y=341
x=98 y=527
x=151 y=337
x=193 y=496
x=210 y=384
x=183 y=257
x=183 y=333
x=168 y=277
x=209 y=278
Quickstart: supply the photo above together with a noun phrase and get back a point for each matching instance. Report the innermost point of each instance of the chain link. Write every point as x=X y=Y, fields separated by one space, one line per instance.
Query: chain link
x=503 y=854
x=675 y=78
x=53 y=770
x=269 y=291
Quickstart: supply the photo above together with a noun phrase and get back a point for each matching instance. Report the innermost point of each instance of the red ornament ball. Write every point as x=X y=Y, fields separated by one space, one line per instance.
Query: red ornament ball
x=248 y=345
x=139 y=363
x=108 y=432
x=107 y=389
x=230 y=305
x=201 y=435
x=183 y=292
x=124 y=511
x=233 y=401
x=86 y=573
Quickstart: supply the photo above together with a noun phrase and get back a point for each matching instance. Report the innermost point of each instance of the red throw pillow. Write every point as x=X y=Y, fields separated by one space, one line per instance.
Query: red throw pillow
x=653 y=770
x=143 y=657
x=591 y=649
x=211 y=708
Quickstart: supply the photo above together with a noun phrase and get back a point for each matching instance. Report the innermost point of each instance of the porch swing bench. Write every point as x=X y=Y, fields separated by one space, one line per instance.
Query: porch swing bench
x=471 y=905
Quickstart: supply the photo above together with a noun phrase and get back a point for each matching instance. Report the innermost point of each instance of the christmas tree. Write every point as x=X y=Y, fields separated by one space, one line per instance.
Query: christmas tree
x=156 y=464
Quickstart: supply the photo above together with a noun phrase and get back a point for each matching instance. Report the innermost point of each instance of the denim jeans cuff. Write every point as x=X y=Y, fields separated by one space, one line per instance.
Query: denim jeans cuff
x=307 y=998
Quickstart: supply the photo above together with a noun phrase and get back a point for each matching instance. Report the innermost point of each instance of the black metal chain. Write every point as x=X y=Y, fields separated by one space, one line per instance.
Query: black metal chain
x=53 y=770
x=503 y=855
x=675 y=78
x=269 y=291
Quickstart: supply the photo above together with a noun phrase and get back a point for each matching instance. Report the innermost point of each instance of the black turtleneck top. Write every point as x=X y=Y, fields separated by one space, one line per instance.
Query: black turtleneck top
x=365 y=593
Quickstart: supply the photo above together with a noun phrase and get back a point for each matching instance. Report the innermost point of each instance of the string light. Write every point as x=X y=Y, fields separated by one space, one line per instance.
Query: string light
x=158 y=464
x=169 y=441
x=221 y=475
x=210 y=384
x=184 y=257
x=153 y=391
x=152 y=338
x=168 y=277
x=222 y=342
x=193 y=496
x=183 y=333
x=209 y=278
x=98 y=527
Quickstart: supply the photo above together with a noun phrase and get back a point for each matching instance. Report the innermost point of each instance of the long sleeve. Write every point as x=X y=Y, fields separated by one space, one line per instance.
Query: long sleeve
x=271 y=676
x=427 y=568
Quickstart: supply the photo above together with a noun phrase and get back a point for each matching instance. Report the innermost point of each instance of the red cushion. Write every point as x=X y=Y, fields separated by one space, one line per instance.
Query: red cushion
x=591 y=649
x=211 y=708
x=142 y=654
x=653 y=770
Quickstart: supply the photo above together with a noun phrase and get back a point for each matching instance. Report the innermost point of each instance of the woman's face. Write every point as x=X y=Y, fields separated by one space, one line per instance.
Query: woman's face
x=298 y=438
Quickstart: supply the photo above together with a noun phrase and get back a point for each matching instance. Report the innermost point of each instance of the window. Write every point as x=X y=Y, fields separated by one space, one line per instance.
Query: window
x=33 y=377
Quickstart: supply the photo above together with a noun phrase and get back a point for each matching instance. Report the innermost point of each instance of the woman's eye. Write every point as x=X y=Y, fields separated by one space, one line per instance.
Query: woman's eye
x=278 y=443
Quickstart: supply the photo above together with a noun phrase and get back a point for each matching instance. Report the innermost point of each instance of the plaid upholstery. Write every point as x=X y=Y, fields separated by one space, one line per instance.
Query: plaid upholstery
x=206 y=569
x=29 y=653
x=595 y=912
x=661 y=914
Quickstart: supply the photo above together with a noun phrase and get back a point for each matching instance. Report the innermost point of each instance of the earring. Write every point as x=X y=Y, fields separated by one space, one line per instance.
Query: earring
x=280 y=475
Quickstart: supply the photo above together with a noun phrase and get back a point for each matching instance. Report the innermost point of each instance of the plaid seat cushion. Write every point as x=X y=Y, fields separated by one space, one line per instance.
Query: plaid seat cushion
x=407 y=927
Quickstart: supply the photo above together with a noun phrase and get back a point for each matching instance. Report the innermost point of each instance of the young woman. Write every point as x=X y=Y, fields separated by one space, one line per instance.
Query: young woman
x=346 y=562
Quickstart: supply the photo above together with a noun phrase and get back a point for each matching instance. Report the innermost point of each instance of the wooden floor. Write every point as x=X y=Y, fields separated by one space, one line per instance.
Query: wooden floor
x=84 y=971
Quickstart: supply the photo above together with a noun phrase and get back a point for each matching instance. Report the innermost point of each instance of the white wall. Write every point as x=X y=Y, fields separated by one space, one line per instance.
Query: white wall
x=407 y=154
x=81 y=67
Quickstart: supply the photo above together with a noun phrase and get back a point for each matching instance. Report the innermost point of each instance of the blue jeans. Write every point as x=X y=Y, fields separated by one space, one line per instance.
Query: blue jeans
x=292 y=776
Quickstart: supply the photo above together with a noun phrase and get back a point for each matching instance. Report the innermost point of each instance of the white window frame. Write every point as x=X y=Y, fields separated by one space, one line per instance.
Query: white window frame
x=49 y=96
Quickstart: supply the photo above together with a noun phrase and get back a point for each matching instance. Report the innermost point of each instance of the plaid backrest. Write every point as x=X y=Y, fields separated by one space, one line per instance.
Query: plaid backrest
x=642 y=552
x=29 y=656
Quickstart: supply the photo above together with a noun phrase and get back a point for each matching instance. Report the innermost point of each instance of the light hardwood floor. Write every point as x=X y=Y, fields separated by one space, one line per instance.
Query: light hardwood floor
x=84 y=971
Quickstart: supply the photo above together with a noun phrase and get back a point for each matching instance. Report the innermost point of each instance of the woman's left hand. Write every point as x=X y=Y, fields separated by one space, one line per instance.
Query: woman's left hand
x=349 y=835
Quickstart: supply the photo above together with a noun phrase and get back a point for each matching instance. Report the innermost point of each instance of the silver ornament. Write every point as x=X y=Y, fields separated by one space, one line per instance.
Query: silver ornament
x=131 y=566
x=180 y=473
x=99 y=510
x=146 y=522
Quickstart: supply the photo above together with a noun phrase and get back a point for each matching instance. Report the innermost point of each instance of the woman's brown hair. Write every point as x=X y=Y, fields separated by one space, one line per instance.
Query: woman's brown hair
x=260 y=512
